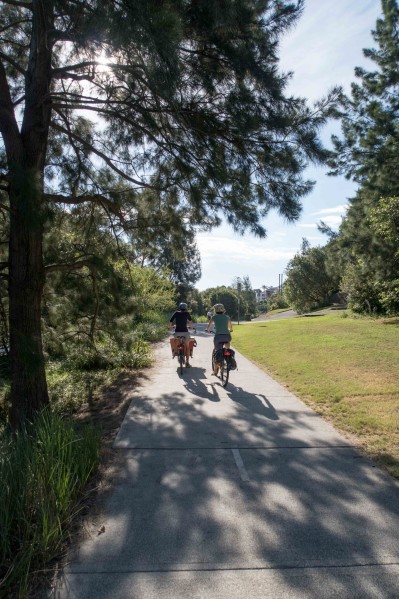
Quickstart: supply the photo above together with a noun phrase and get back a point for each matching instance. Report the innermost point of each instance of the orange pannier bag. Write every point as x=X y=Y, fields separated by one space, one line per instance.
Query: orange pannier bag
x=172 y=339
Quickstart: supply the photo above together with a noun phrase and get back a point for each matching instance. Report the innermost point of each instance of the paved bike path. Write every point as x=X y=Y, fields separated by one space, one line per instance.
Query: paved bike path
x=236 y=492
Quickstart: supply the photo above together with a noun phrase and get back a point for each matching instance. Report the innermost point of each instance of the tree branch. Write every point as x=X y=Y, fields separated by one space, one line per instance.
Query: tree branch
x=27 y=5
x=65 y=266
x=8 y=123
x=96 y=198
x=12 y=62
x=79 y=65
x=101 y=155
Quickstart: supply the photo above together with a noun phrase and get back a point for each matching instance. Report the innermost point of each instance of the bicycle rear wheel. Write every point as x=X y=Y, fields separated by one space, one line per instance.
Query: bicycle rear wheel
x=213 y=360
x=181 y=361
x=224 y=372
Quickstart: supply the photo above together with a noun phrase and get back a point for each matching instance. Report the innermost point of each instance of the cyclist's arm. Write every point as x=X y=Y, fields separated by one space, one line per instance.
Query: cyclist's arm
x=209 y=325
x=230 y=326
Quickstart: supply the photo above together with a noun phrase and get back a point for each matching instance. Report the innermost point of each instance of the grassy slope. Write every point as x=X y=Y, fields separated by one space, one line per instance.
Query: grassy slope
x=347 y=369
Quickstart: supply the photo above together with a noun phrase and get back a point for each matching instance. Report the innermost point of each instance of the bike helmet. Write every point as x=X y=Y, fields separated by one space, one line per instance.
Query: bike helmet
x=182 y=306
x=219 y=308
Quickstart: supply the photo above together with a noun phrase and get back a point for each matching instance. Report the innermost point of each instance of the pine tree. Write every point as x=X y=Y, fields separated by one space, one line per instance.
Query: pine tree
x=368 y=153
x=186 y=100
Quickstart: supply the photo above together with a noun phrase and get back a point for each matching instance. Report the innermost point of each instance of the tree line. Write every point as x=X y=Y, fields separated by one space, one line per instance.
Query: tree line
x=361 y=260
x=126 y=125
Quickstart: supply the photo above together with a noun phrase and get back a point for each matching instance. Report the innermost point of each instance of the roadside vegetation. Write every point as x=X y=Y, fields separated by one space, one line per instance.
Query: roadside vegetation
x=344 y=367
x=101 y=245
x=44 y=470
x=361 y=260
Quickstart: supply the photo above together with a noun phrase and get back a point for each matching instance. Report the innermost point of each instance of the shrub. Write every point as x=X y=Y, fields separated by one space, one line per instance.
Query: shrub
x=43 y=471
x=389 y=297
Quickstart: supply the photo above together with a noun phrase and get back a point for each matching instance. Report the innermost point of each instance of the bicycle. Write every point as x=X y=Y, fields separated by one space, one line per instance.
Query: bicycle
x=224 y=365
x=181 y=350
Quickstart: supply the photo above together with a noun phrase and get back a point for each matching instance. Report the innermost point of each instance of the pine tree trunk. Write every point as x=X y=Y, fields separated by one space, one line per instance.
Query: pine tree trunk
x=26 y=271
x=26 y=157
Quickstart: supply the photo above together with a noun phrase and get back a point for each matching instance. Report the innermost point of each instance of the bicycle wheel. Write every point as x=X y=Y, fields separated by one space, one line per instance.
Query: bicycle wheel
x=224 y=372
x=213 y=360
x=181 y=361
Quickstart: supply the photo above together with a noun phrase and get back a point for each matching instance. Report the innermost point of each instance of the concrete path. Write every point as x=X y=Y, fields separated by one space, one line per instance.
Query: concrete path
x=232 y=493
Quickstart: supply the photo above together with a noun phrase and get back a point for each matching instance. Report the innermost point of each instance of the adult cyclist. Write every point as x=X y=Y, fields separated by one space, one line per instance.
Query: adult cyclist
x=181 y=319
x=223 y=329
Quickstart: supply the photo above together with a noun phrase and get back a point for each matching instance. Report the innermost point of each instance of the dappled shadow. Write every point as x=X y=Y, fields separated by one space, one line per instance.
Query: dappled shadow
x=194 y=382
x=307 y=507
x=255 y=403
x=107 y=408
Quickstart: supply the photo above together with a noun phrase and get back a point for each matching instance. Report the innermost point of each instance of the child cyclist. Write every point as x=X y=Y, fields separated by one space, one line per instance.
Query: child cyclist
x=223 y=329
x=182 y=320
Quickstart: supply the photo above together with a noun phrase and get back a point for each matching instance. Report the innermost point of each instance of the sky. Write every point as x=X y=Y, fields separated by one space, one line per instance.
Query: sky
x=322 y=51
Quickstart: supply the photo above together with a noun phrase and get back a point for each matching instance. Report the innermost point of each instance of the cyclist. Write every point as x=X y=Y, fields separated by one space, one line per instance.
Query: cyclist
x=223 y=329
x=182 y=320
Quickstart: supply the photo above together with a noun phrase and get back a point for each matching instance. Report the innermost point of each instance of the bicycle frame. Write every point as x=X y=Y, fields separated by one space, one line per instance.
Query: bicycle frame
x=225 y=366
x=180 y=349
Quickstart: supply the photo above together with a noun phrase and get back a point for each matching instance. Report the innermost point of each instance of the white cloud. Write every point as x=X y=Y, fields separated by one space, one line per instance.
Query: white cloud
x=240 y=250
x=308 y=225
x=332 y=221
x=327 y=44
x=341 y=209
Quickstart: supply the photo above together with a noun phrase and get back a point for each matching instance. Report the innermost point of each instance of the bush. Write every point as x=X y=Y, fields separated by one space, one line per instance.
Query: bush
x=362 y=291
x=201 y=318
x=389 y=297
x=43 y=472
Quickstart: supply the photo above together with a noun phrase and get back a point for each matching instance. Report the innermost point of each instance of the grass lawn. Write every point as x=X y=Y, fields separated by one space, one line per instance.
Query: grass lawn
x=345 y=368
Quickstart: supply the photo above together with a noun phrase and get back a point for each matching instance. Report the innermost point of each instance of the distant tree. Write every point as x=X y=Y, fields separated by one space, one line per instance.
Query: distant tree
x=222 y=295
x=308 y=284
x=277 y=301
x=247 y=295
x=195 y=302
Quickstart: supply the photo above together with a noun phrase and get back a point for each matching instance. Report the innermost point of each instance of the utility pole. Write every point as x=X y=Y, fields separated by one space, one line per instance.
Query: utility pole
x=239 y=285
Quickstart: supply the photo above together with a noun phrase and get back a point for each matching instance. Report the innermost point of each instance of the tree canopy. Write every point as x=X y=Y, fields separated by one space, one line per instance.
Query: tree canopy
x=308 y=284
x=101 y=102
x=368 y=152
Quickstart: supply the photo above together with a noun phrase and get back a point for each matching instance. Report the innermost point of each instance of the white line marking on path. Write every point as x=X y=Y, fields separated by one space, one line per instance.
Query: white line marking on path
x=240 y=465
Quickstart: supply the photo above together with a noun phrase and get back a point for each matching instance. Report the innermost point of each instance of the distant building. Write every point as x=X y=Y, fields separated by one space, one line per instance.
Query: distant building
x=263 y=294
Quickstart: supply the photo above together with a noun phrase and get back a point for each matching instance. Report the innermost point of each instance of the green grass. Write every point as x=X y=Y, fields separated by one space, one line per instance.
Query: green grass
x=345 y=368
x=43 y=472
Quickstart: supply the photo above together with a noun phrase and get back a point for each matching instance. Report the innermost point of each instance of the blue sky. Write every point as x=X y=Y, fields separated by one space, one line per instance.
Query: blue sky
x=322 y=51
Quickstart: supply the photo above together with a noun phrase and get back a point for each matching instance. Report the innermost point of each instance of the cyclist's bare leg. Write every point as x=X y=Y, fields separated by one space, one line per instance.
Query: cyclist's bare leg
x=217 y=366
x=187 y=352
